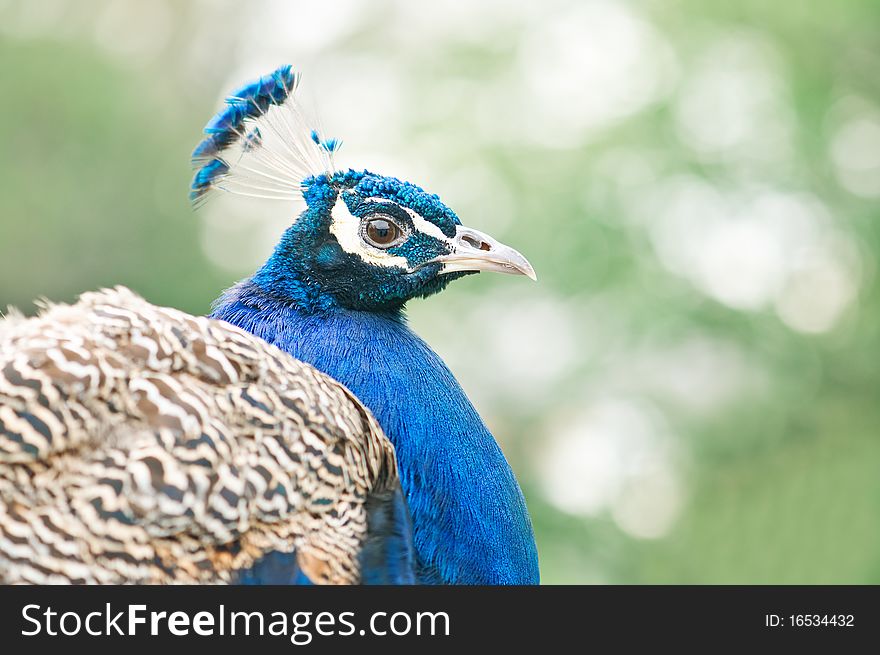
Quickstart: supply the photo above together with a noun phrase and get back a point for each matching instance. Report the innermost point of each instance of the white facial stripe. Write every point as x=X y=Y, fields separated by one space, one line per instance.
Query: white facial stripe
x=419 y=223
x=346 y=227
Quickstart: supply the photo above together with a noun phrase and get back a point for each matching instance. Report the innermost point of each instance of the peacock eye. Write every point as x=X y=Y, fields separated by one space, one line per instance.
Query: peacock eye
x=382 y=232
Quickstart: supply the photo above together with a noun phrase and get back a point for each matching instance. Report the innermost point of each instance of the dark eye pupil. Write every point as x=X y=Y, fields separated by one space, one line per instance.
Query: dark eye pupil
x=381 y=231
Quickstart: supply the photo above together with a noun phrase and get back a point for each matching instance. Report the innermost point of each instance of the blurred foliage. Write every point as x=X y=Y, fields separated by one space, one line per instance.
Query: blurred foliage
x=749 y=428
x=93 y=164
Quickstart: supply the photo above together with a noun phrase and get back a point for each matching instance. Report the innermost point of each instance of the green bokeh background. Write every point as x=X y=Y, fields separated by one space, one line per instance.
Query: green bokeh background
x=746 y=366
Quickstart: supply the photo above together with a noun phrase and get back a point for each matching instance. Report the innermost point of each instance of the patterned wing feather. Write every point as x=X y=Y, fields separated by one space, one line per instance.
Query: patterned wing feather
x=141 y=444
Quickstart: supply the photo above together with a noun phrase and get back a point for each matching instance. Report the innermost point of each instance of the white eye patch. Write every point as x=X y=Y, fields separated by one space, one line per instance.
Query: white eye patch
x=420 y=224
x=346 y=227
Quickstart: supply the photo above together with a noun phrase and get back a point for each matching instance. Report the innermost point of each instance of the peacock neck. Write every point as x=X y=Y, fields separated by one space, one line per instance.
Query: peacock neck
x=470 y=523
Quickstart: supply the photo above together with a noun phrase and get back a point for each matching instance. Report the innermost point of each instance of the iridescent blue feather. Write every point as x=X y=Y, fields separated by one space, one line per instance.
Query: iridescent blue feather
x=330 y=145
x=258 y=144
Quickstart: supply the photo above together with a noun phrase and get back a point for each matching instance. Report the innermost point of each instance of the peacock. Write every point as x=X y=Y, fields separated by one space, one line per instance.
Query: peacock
x=302 y=433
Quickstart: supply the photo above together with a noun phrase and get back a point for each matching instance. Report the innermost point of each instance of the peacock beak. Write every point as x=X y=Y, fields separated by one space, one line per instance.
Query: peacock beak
x=473 y=250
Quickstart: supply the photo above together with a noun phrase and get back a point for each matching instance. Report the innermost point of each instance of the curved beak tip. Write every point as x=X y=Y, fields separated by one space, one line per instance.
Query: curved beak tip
x=523 y=267
x=475 y=251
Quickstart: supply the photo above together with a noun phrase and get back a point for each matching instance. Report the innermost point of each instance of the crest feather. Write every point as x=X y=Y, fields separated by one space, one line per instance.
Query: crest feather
x=259 y=144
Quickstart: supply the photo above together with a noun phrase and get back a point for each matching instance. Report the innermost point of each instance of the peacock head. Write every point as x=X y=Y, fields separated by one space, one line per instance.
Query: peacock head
x=363 y=241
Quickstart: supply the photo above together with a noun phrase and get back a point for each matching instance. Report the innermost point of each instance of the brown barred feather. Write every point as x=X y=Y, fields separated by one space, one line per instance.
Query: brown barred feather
x=140 y=444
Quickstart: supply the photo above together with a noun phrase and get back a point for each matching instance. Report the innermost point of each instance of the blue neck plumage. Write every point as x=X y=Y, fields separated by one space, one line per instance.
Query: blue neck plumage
x=469 y=517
